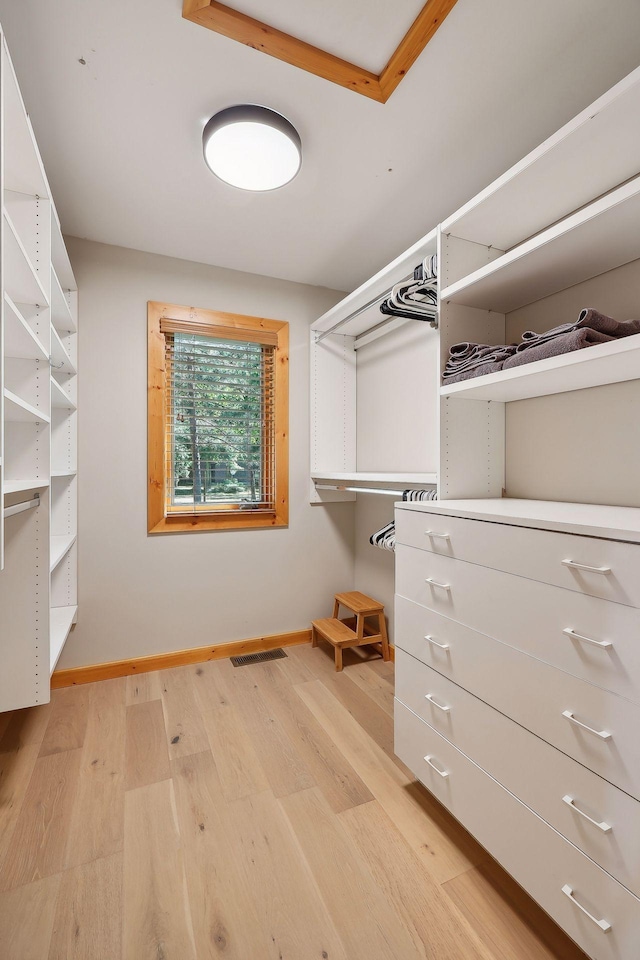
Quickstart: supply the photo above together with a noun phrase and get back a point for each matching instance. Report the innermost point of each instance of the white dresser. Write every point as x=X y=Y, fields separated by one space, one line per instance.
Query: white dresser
x=517 y=634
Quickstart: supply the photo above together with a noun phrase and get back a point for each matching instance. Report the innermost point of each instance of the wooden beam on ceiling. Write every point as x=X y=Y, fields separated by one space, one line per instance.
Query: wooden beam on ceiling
x=253 y=33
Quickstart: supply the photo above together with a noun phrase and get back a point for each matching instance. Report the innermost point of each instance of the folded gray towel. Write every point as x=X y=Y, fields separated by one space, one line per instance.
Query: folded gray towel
x=489 y=366
x=562 y=343
x=590 y=318
x=466 y=357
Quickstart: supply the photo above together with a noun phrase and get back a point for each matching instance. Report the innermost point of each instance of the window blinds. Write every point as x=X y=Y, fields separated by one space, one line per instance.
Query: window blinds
x=220 y=436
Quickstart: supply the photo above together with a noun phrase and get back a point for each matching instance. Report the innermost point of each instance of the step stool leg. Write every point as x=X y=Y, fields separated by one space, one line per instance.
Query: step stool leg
x=314 y=637
x=338 y=659
x=360 y=626
x=336 y=609
x=386 y=653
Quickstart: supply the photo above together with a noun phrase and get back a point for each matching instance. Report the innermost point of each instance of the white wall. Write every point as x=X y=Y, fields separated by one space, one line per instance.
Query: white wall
x=140 y=594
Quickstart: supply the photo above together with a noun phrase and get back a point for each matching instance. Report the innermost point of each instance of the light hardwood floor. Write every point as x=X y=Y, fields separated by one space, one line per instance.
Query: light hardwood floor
x=255 y=813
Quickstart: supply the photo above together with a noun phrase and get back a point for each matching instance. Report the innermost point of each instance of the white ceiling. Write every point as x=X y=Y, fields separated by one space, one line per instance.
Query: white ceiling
x=364 y=33
x=121 y=135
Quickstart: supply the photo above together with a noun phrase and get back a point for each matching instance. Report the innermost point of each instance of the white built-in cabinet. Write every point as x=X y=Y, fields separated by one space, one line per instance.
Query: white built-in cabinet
x=517 y=607
x=38 y=418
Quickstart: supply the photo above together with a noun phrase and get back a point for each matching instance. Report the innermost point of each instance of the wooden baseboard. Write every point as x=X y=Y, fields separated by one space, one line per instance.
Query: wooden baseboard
x=177 y=658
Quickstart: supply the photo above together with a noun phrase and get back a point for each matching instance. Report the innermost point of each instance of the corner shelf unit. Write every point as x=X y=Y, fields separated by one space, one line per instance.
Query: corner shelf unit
x=38 y=396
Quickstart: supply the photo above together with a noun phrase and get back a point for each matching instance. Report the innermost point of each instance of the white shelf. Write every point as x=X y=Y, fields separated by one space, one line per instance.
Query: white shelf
x=20 y=278
x=62 y=474
x=19 y=339
x=20 y=486
x=573 y=166
x=59 y=256
x=16 y=409
x=365 y=477
x=379 y=284
x=61 y=316
x=598 y=238
x=59 y=399
x=61 y=621
x=23 y=170
x=587 y=519
x=594 y=366
x=60 y=547
x=59 y=356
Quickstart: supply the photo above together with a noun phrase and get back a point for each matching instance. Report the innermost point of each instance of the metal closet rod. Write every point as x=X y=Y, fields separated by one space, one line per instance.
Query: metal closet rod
x=22 y=506
x=356 y=313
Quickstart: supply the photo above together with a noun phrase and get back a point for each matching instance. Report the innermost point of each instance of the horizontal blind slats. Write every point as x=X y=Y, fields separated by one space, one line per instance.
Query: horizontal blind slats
x=220 y=437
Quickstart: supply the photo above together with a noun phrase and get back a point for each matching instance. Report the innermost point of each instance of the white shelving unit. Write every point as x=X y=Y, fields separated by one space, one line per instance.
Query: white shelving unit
x=38 y=375
x=336 y=338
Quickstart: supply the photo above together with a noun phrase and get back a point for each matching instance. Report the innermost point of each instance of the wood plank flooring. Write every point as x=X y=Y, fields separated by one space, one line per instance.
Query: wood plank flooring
x=257 y=813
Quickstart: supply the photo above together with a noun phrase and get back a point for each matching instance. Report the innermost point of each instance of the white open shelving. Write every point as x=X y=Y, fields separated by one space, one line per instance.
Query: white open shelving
x=567 y=171
x=38 y=366
x=59 y=398
x=596 y=239
x=18 y=410
x=613 y=362
x=21 y=280
x=62 y=619
x=61 y=315
x=60 y=546
x=60 y=360
x=20 y=341
x=371 y=477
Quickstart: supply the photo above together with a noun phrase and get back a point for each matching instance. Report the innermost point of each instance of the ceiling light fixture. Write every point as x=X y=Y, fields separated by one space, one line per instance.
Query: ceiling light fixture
x=252 y=147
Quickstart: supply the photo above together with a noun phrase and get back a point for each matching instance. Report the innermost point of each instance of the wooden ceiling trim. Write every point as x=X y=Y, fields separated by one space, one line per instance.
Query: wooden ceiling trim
x=413 y=43
x=253 y=33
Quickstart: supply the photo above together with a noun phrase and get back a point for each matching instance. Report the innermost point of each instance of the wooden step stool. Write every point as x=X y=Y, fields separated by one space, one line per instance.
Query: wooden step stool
x=354 y=631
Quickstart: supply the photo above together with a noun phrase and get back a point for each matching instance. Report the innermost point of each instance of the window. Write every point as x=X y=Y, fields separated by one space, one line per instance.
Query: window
x=218 y=420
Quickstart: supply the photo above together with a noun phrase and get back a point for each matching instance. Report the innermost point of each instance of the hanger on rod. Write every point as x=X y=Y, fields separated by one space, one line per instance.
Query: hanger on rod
x=414 y=297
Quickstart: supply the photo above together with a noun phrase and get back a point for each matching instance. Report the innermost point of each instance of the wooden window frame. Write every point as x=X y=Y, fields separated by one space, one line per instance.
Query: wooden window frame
x=211 y=321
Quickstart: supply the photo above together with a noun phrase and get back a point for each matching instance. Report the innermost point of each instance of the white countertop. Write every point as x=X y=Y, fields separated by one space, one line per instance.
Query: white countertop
x=586 y=519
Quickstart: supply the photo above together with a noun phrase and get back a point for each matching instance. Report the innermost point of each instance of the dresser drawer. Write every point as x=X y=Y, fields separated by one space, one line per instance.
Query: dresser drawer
x=531 y=692
x=531 y=769
x=531 y=616
x=537 y=554
x=540 y=859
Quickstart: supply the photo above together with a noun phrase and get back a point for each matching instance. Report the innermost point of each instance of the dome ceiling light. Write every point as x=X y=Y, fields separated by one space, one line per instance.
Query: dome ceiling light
x=252 y=147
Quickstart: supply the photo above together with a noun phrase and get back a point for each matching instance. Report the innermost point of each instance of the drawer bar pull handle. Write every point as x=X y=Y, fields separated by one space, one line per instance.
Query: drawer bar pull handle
x=605 y=644
x=437 y=536
x=434 y=583
x=603 y=734
x=604 y=925
x=441 y=646
x=585 y=566
x=440 y=706
x=443 y=773
x=601 y=825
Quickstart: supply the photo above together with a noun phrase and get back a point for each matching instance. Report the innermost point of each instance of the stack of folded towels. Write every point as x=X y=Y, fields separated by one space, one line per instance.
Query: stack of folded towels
x=468 y=360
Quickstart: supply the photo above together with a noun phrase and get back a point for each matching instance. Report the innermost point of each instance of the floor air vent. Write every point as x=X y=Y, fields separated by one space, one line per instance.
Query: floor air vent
x=258 y=657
